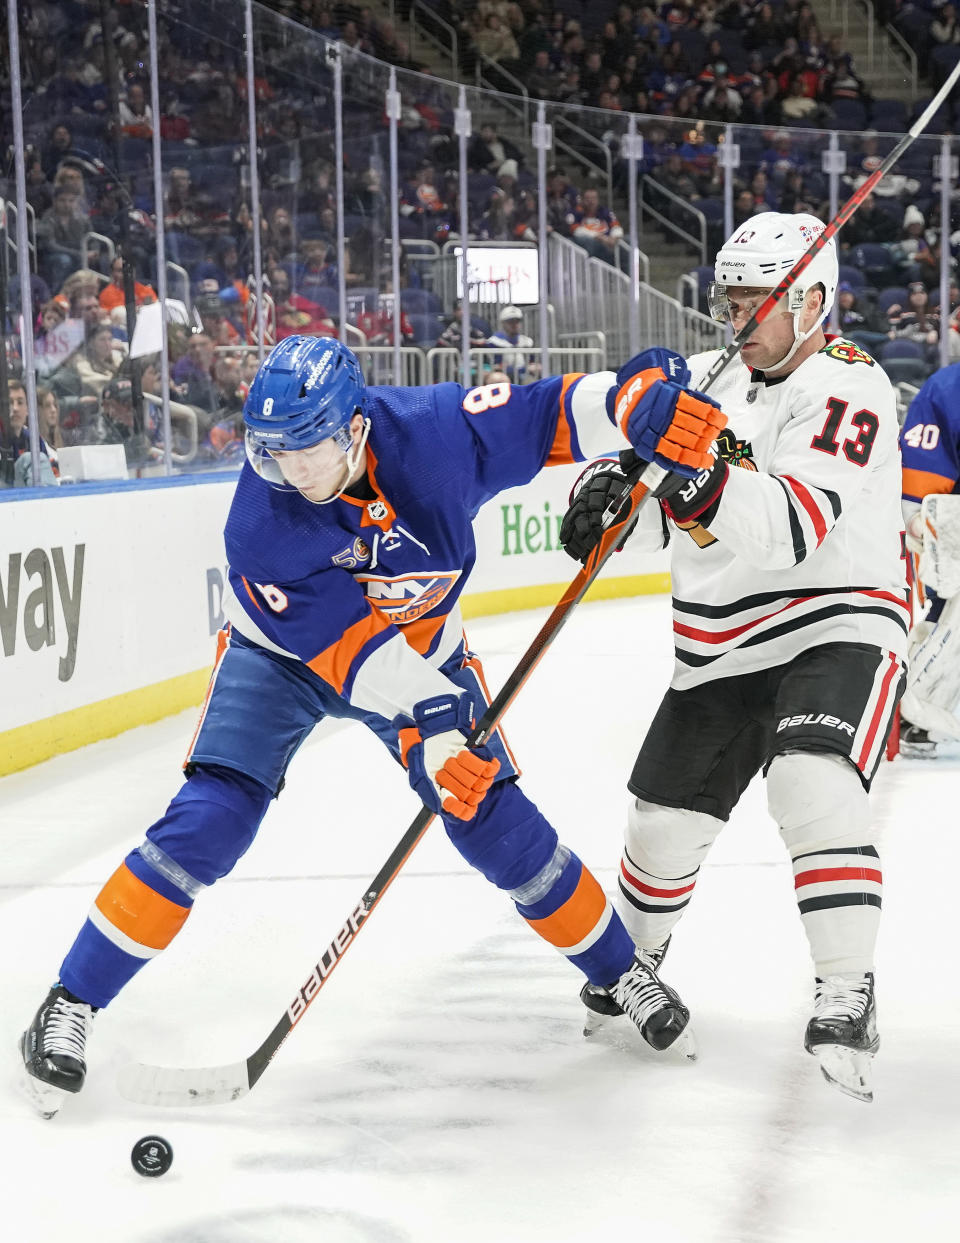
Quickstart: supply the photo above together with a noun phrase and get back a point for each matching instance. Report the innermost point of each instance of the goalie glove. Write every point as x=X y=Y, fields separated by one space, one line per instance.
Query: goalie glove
x=449 y=776
x=595 y=490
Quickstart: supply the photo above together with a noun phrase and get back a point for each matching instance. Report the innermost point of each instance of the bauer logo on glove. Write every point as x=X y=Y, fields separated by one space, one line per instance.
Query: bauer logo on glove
x=665 y=421
x=449 y=776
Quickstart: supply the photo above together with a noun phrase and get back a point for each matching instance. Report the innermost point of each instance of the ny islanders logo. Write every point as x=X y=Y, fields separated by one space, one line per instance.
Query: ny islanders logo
x=404 y=598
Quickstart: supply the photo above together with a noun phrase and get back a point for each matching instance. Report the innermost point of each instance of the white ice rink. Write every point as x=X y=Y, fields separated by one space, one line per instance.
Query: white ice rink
x=439 y=1090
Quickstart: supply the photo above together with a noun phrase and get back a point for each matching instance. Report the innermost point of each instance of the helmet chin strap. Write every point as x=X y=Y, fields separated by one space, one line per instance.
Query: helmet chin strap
x=798 y=339
x=351 y=462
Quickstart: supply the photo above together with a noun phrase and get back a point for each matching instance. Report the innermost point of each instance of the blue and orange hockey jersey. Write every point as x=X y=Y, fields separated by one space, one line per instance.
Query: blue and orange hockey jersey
x=930 y=437
x=365 y=591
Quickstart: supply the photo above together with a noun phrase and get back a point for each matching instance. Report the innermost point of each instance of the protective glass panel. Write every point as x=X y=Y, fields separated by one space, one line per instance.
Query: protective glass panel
x=327 y=250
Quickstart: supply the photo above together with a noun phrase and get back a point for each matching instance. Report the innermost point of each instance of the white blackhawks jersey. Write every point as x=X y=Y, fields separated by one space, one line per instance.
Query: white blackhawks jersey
x=808 y=538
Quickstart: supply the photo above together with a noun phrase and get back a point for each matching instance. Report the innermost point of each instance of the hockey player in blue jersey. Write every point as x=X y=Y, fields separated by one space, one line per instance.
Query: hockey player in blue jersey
x=349 y=541
x=930 y=452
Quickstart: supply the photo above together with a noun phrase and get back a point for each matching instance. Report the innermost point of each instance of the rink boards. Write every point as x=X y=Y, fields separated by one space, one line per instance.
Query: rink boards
x=110 y=598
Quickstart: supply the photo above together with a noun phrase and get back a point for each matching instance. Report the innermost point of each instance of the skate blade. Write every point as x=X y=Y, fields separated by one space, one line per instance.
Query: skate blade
x=848 y=1070
x=919 y=751
x=597 y=1022
x=685 y=1045
x=45 y=1099
x=684 y=1048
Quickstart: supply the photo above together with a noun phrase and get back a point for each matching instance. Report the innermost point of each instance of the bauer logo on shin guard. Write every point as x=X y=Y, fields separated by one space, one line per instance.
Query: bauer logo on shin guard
x=816 y=718
x=329 y=959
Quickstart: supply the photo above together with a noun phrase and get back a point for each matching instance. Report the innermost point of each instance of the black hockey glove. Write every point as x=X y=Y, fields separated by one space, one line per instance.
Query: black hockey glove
x=594 y=491
x=692 y=501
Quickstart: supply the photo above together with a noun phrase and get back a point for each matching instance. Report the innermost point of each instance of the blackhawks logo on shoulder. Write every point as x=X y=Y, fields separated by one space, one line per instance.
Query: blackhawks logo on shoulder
x=846 y=352
x=735 y=452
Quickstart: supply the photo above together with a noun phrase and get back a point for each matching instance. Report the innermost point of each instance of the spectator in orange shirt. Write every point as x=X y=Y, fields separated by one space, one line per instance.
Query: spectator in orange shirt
x=112 y=295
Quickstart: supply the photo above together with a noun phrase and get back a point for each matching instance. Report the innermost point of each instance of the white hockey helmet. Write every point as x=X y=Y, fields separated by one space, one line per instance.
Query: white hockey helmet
x=761 y=252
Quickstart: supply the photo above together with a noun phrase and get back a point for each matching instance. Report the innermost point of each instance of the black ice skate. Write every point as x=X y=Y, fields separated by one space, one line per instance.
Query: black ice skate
x=653 y=1006
x=842 y=1034
x=53 y=1048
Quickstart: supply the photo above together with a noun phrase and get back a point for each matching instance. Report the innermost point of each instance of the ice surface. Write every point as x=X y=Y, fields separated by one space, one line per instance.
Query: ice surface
x=439 y=1091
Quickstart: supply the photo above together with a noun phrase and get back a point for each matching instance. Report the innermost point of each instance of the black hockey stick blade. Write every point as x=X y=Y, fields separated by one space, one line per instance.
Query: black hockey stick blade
x=216 y=1085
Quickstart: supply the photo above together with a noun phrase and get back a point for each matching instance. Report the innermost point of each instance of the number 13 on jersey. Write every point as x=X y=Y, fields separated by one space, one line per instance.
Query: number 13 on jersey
x=856 y=449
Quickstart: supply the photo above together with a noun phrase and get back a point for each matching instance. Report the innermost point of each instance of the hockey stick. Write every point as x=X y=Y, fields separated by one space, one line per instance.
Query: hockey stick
x=212 y=1085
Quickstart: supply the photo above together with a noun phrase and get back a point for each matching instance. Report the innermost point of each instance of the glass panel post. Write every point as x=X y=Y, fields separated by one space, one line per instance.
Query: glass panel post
x=834 y=162
x=948 y=178
x=462 y=125
x=393 y=118
x=23 y=251
x=161 y=241
x=333 y=55
x=254 y=173
x=543 y=141
x=632 y=148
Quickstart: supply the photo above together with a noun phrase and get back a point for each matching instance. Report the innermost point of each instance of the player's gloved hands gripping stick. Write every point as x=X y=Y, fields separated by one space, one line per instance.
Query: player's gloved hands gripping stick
x=666 y=423
x=449 y=776
x=598 y=489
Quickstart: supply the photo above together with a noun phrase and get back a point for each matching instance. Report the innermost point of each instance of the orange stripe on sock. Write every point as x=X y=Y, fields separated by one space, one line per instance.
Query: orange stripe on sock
x=139 y=912
x=572 y=922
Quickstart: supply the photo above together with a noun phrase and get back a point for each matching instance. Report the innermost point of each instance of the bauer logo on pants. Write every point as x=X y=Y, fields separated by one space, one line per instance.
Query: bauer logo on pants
x=818 y=718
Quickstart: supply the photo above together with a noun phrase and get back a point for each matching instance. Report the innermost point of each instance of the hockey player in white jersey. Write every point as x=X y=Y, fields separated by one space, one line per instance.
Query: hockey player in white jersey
x=790 y=621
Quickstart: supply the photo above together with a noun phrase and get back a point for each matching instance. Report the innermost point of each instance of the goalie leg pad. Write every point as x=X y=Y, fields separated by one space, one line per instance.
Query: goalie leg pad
x=823 y=812
x=663 y=850
x=939 y=566
x=207 y=827
x=933 y=680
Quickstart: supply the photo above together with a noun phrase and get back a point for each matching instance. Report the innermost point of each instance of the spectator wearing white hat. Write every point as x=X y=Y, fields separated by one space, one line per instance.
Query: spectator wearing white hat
x=913 y=242
x=516 y=362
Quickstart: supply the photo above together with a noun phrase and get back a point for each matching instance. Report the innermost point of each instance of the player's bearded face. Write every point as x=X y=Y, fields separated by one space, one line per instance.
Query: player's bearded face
x=772 y=339
x=317 y=472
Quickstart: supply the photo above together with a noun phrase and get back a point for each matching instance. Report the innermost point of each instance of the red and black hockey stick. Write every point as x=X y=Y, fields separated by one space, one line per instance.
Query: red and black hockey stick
x=157 y=1085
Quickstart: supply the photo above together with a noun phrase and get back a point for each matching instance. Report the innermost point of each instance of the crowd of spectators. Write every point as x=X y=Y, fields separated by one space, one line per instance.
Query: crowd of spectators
x=740 y=60
x=686 y=67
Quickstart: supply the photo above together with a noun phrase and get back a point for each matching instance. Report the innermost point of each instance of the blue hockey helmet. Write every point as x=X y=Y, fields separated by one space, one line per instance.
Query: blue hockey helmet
x=308 y=390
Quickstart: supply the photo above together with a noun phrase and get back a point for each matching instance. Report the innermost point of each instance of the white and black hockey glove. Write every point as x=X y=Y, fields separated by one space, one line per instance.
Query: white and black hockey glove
x=692 y=501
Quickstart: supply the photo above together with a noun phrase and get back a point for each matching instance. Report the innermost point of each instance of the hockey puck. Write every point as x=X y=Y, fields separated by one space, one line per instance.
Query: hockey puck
x=152 y=1156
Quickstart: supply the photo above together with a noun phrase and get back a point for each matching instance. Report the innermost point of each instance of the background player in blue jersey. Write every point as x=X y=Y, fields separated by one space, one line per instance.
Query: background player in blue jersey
x=930 y=451
x=349 y=541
